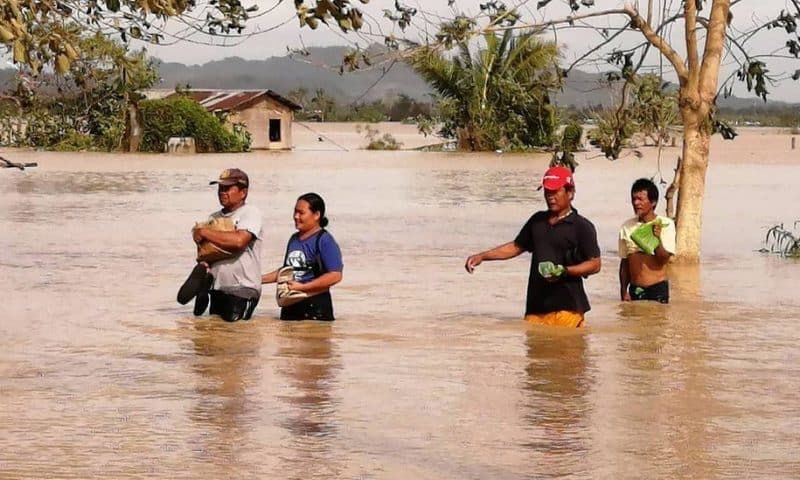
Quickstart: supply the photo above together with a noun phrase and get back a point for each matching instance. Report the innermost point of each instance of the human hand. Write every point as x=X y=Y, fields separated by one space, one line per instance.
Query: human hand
x=197 y=235
x=657 y=229
x=625 y=296
x=472 y=262
x=296 y=286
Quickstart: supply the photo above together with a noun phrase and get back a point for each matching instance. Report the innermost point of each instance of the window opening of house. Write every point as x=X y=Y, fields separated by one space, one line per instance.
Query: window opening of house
x=274 y=129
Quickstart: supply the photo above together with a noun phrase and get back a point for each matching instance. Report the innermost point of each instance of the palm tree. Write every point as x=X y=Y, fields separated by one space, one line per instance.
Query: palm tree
x=498 y=97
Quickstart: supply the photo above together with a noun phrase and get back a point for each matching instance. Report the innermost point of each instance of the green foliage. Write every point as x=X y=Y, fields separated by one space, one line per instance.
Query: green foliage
x=75 y=142
x=769 y=114
x=612 y=133
x=376 y=142
x=40 y=33
x=571 y=138
x=243 y=136
x=652 y=111
x=322 y=107
x=180 y=116
x=91 y=101
x=571 y=141
x=497 y=97
x=654 y=108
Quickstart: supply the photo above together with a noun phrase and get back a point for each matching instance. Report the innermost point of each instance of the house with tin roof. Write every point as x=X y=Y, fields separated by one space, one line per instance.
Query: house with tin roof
x=267 y=115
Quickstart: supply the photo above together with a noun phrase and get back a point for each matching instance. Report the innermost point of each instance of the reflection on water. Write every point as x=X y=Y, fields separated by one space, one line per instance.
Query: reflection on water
x=224 y=362
x=428 y=373
x=558 y=381
x=307 y=362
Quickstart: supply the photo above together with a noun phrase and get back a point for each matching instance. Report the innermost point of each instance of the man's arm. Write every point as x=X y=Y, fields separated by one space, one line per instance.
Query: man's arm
x=231 y=241
x=624 y=280
x=661 y=254
x=501 y=252
x=584 y=269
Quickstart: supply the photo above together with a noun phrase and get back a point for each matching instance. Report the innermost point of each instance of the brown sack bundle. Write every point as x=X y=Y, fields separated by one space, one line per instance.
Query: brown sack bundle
x=207 y=251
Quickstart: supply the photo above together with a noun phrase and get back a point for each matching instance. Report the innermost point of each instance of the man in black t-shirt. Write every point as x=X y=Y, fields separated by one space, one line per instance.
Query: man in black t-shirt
x=564 y=250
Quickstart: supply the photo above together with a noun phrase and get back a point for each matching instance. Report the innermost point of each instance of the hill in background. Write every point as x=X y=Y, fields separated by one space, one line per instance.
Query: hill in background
x=320 y=70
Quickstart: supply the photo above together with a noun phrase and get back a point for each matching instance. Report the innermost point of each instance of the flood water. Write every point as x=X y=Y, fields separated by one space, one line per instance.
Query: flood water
x=428 y=372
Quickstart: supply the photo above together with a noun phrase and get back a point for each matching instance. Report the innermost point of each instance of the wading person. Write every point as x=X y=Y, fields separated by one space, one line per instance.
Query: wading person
x=646 y=243
x=232 y=280
x=564 y=250
x=315 y=260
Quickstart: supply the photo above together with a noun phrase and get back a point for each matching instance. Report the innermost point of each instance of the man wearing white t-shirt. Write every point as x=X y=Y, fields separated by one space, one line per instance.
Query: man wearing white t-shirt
x=643 y=275
x=232 y=284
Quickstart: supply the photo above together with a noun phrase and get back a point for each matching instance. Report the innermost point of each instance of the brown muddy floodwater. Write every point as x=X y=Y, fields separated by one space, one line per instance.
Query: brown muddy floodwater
x=428 y=372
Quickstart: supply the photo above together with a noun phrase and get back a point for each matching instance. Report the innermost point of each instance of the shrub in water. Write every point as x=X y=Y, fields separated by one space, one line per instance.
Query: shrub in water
x=180 y=116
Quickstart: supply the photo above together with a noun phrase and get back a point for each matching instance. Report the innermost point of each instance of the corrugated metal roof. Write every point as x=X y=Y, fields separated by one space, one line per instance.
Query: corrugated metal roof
x=228 y=100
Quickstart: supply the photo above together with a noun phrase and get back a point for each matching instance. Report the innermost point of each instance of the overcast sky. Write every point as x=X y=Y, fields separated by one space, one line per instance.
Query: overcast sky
x=280 y=29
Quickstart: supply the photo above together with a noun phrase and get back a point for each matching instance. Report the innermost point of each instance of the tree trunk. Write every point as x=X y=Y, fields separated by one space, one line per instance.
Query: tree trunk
x=692 y=186
x=673 y=189
x=133 y=129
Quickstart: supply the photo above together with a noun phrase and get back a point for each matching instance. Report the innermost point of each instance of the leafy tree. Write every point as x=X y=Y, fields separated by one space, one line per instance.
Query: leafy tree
x=497 y=97
x=47 y=32
x=654 y=108
x=86 y=107
x=180 y=116
x=571 y=141
x=706 y=30
x=405 y=107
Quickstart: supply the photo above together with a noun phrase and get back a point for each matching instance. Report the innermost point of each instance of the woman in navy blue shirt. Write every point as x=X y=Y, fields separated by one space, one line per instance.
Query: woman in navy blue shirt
x=317 y=261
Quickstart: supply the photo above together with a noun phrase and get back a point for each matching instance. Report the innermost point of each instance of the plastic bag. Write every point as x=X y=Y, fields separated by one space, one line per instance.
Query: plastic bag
x=549 y=269
x=644 y=238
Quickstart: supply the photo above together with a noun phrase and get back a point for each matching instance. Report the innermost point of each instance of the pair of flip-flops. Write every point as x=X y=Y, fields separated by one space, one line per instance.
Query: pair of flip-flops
x=283 y=295
x=196 y=286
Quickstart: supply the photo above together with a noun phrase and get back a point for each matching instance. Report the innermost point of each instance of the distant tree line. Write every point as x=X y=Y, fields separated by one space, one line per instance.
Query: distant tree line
x=97 y=103
x=321 y=107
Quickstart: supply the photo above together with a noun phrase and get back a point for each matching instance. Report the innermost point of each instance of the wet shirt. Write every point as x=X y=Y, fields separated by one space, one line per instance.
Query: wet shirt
x=308 y=261
x=628 y=247
x=241 y=275
x=570 y=241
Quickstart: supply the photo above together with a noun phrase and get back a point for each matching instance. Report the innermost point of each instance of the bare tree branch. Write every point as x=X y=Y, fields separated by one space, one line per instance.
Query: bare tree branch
x=690 y=9
x=715 y=43
x=658 y=41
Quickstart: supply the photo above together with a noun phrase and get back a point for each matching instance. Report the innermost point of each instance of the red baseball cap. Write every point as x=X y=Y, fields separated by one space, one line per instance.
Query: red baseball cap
x=557 y=177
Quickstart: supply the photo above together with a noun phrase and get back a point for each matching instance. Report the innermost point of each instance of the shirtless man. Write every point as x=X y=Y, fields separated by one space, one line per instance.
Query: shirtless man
x=643 y=276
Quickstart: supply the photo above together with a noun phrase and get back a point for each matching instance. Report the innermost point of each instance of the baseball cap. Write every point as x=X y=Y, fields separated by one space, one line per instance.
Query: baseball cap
x=232 y=176
x=557 y=177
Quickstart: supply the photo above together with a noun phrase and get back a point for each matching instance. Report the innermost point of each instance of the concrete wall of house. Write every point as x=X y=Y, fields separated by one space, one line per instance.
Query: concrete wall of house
x=257 y=119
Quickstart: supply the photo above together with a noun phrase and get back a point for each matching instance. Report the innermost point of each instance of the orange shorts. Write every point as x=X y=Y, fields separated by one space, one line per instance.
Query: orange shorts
x=561 y=318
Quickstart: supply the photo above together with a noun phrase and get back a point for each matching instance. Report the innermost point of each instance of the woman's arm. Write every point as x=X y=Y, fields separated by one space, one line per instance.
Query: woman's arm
x=319 y=285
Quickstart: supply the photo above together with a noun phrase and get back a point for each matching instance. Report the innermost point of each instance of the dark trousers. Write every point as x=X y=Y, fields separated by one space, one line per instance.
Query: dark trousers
x=318 y=307
x=658 y=292
x=231 y=307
